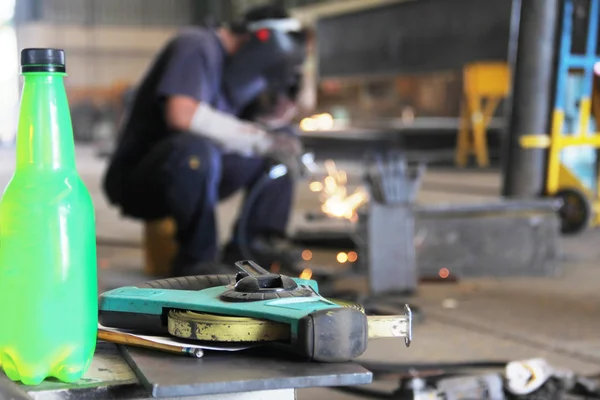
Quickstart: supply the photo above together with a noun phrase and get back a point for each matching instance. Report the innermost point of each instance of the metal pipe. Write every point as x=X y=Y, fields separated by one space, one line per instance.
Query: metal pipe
x=532 y=97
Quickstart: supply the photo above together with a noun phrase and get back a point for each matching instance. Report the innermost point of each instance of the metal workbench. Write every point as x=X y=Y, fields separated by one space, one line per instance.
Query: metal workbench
x=427 y=139
x=123 y=372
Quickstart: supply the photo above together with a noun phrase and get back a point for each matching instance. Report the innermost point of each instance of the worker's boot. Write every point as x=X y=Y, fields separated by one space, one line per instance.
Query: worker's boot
x=272 y=253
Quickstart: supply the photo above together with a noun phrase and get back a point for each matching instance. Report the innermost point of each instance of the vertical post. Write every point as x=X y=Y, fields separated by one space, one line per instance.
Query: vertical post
x=532 y=97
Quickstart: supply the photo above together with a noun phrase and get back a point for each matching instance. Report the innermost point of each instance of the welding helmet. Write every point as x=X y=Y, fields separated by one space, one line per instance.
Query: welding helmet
x=271 y=60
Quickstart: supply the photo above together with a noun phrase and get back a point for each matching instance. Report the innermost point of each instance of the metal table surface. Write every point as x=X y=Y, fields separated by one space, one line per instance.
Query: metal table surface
x=123 y=372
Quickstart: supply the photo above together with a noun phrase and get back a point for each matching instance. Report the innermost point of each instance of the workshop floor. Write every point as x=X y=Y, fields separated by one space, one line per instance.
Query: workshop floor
x=474 y=320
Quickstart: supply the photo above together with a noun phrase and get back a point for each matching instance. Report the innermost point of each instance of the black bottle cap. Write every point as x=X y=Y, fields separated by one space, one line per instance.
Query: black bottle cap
x=42 y=60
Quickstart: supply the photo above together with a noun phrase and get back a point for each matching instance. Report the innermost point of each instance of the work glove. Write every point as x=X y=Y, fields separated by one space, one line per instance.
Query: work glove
x=287 y=150
x=229 y=132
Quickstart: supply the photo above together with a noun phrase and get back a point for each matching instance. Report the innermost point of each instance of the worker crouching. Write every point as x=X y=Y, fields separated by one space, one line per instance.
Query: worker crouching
x=208 y=119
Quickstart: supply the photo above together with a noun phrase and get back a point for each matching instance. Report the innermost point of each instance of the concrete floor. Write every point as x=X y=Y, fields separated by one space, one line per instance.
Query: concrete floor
x=554 y=318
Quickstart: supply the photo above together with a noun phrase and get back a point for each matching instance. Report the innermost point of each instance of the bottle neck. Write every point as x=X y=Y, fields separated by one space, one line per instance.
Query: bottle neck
x=45 y=134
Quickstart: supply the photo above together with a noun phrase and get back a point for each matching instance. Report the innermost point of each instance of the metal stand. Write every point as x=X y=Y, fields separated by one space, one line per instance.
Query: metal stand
x=388 y=231
x=389 y=249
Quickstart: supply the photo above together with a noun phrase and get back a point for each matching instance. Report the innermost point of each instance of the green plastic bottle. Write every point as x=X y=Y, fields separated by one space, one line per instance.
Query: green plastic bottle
x=48 y=278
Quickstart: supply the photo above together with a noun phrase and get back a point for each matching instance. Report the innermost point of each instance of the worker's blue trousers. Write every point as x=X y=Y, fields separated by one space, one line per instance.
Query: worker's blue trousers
x=185 y=177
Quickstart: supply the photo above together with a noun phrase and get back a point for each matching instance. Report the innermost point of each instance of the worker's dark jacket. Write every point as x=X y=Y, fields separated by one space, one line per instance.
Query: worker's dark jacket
x=191 y=64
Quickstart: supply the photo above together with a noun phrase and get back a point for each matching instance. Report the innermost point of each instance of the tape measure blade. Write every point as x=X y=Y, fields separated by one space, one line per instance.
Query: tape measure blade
x=388 y=326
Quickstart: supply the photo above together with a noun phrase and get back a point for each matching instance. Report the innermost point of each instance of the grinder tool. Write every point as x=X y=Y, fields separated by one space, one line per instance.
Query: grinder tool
x=253 y=306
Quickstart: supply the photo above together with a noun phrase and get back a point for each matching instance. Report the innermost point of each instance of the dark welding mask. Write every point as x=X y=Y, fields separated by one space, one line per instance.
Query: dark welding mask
x=271 y=61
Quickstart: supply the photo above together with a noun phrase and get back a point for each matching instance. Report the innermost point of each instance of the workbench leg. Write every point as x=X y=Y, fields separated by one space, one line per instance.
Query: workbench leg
x=463 y=147
x=479 y=131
